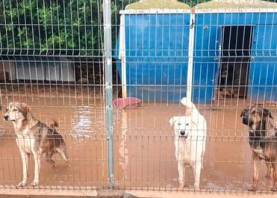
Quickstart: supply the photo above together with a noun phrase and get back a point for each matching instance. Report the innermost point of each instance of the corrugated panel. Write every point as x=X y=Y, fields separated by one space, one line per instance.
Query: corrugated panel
x=67 y=72
x=49 y=71
x=157 y=56
x=52 y=71
x=207 y=40
x=29 y=71
x=263 y=78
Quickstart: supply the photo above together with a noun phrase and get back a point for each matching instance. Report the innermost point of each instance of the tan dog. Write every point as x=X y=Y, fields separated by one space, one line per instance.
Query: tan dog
x=262 y=140
x=34 y=137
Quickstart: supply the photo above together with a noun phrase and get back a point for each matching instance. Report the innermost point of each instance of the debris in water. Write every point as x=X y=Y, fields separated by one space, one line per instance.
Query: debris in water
x=123 y=103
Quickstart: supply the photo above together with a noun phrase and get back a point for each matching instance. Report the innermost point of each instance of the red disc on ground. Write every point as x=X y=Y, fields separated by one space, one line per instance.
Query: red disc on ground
x=126 y=102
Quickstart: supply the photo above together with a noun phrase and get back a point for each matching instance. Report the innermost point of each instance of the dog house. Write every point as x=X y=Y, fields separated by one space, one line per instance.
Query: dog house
x=235 y=50
x=219 y=47
x=154 y=49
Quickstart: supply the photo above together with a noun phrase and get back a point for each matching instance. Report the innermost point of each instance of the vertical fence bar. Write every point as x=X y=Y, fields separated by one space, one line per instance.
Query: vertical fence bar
x=122 y=55
x=108 y=87
x=190 y=60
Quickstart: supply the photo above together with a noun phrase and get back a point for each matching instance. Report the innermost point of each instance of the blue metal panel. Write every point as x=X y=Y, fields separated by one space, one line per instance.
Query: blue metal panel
x=204 y=73
x=262 y=77
x=207 y=40
x=157 y=56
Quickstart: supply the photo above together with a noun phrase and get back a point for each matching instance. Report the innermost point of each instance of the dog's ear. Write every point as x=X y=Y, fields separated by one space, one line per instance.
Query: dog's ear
x=172 y=121
x=24 y=108
x=267 y=113
x=243 y=112
x=11 y=104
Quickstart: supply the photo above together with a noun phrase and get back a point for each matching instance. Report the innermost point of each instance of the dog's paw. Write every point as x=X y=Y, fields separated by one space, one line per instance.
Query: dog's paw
x=274 y=189
x=181 y=185
x=34 y=183
x=21 y=184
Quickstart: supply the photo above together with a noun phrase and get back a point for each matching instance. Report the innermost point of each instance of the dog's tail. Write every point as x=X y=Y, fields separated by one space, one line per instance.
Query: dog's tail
x=54 y=124
x=186 y=102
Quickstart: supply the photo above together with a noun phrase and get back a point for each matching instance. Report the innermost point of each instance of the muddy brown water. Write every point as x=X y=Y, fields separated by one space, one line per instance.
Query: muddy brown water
x=144 y=146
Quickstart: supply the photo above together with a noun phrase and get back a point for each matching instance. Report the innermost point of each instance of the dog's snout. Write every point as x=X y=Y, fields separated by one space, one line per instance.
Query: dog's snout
x=6 y=117
x=182 y=132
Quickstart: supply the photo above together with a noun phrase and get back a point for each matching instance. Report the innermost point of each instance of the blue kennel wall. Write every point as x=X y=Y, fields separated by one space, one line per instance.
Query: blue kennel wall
x=157 y=45
x=262 y=78
x=263 y=68
x=262 y=16
x=156 y=55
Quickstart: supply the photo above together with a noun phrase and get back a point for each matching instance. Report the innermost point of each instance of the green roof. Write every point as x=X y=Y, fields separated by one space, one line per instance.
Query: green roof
x=157 y=4
x=236 y=4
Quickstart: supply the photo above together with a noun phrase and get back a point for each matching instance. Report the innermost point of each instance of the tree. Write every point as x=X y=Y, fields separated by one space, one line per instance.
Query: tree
x=57 y=27
x=51 y=27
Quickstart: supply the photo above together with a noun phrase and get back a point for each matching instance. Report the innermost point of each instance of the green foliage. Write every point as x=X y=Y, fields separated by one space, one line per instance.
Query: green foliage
x=70 y=27
x=57 y=27
x=54 y=27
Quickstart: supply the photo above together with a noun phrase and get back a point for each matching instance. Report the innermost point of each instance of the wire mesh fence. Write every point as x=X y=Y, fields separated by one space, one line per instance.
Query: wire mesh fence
x=229 y=47
x=219 y=53
x=52 y=60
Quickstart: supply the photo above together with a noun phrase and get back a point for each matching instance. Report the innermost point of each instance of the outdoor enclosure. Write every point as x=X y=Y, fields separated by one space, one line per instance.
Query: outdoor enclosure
x=70 y=60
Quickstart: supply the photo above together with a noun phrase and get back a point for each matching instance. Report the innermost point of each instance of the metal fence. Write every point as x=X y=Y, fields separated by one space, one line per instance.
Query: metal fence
x=71 y=60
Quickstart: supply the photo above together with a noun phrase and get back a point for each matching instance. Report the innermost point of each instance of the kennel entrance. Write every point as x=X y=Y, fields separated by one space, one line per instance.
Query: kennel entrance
x=235 y=56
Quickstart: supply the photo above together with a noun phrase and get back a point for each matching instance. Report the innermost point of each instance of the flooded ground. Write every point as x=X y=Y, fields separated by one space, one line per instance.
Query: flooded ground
x=149 y=149
x=144 y=144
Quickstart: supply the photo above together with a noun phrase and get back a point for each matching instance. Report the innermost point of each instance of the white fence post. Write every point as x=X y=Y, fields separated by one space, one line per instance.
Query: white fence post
x=190 y=61
x=122 y=56
x=108 y=87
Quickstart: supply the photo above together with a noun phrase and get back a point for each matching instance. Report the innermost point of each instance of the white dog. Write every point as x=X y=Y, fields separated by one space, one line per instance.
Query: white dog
x=190 y=141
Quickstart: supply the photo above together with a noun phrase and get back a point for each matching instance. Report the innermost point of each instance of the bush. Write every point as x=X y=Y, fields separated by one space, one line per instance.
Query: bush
x=56 y=27
x=70 y=27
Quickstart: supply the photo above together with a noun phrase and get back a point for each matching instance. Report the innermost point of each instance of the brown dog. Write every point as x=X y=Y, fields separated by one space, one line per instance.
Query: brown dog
x=34 y=137
x=262 y=140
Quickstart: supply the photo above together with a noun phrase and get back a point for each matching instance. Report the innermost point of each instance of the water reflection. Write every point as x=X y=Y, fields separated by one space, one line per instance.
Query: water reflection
x=82 y=123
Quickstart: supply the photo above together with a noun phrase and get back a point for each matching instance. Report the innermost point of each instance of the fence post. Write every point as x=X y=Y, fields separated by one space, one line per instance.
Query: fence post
x=108 y=87
x=122 y=55
x=190 y=61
